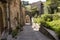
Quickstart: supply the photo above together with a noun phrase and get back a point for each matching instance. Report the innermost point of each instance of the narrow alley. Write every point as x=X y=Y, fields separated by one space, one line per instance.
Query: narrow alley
x=29 y=20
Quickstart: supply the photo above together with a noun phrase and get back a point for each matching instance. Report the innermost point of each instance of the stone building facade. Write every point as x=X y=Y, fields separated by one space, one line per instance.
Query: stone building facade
x=14 y=13
x=11 y=15
x=39 y=6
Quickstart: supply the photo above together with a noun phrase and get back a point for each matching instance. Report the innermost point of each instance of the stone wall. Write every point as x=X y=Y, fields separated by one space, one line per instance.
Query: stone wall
x=3 y=19
x=23 y=10
x=49 y=33
x=14 y=13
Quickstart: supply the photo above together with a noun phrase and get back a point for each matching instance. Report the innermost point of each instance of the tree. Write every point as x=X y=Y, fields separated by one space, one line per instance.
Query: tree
x=55 y=1
x=53 y=5
x=34 y=11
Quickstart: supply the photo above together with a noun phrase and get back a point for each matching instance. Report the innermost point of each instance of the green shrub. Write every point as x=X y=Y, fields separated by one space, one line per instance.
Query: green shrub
x=50 y=17
x=56 y=17
x=51 y=21
x=37 y=20
x=55 y=25
x=46 y=17
x=14 y=32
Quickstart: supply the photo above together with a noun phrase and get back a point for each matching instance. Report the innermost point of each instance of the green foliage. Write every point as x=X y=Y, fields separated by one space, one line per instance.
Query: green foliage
x=37 y=20
x=48 y=2
x=14 y=32
x=45 y=24
x=55 y=25
x=50 y=17
x=34 y=11
x=53 y=5
x=51 y=21
x=46 y=17
x=56 y=16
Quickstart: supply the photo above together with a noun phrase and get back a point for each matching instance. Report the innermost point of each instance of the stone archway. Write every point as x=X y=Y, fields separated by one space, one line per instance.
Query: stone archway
x=27 y=19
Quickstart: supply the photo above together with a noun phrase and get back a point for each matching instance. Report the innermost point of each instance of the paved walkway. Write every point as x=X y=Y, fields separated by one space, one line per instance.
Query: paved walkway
x=29 y=34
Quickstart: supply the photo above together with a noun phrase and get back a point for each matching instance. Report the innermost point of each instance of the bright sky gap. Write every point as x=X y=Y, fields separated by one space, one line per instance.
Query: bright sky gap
x=31 y=1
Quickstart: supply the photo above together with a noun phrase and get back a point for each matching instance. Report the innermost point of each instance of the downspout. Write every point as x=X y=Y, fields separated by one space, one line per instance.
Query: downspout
x=8 y=16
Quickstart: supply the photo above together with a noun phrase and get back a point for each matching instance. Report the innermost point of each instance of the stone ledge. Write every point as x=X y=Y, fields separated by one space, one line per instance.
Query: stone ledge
x=49 y=33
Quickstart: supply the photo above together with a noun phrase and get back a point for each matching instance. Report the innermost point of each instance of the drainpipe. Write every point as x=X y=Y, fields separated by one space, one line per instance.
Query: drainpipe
x=8 y=16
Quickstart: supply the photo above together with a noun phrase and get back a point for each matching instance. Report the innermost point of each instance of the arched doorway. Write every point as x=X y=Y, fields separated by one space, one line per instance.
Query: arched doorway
x=27 y=19
x=1 y=20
